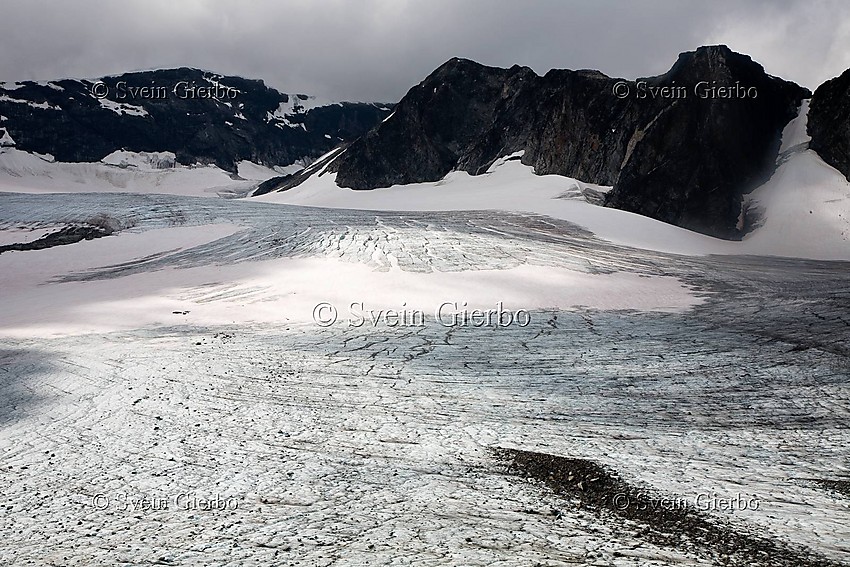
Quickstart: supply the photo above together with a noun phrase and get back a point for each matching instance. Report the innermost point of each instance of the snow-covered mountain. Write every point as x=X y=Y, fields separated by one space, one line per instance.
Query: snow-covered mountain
x=683 y=147
x=198 y=116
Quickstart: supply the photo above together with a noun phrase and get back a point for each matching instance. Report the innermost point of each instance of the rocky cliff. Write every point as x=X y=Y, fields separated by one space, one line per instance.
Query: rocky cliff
x=691 y=161
x=465 y=115
x=829 y=122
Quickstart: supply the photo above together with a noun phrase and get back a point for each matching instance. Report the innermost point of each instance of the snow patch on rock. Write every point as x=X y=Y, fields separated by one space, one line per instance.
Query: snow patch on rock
x=123 y=108
x=40 y=105
x=6 y=139
x=297 y=104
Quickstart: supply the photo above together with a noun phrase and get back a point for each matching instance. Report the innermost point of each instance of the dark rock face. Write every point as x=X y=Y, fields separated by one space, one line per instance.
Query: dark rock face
x=441 y=124
x=684 y=155
x=696 y=157
x=581 y=129
x=199 y=116
x=829 y=122
x=466 y=115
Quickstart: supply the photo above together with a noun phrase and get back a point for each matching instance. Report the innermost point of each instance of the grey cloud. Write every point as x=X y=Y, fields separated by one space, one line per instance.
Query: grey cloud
x=377 y=49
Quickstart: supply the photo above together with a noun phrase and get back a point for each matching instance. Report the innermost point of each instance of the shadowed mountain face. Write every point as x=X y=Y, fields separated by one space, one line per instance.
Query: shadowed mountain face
x=199 y=116
x=465 y=115
x=829 y=122
x=694 y=159
x=684 y=154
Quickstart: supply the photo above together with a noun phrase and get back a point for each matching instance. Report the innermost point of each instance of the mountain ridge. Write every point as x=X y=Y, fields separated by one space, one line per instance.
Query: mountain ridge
x=200 y=116
x=679 y=159
x=670 y=151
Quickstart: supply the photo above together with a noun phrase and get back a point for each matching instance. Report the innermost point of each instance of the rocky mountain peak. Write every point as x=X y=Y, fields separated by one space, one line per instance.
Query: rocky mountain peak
x=711 y=135
x=682 y=147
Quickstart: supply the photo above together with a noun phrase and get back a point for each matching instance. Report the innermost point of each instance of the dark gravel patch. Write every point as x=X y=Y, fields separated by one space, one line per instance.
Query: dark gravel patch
x=667 y=521
x=840 y=486
x=67 y=235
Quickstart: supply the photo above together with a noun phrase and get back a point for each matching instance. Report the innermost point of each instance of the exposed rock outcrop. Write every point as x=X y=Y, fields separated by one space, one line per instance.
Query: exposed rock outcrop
x=829 y=122
x=62 y=237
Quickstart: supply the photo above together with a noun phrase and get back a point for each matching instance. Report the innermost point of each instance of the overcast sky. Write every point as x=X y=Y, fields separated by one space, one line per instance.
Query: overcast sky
x=376 y=49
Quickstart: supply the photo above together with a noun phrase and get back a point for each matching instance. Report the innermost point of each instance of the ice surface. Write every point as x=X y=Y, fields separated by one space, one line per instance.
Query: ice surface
x=177 y=357
x=148 y=161
x=794 y=134
x=804 y=209
x=250 y=170
x=181 y=356
x=14 y=235
x=277 y=265
x=30 y=173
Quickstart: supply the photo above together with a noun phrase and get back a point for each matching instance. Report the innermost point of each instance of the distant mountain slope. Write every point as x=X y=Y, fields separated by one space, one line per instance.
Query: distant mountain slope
x=199 y=116
x=684 y=154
